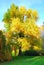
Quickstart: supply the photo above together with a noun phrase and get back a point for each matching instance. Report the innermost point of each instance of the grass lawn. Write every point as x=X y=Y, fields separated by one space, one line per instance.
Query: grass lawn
x=26 y=60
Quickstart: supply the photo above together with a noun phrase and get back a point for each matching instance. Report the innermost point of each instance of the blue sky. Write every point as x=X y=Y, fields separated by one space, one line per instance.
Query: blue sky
x=29 y=4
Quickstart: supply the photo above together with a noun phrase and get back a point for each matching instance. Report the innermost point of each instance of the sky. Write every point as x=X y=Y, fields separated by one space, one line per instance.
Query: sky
x=29 y=4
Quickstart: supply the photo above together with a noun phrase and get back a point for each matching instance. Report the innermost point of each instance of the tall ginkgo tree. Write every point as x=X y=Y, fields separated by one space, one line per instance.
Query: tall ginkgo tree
x=22 y=23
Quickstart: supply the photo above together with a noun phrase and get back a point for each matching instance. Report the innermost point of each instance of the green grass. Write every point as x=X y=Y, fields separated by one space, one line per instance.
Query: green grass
x=26 y=60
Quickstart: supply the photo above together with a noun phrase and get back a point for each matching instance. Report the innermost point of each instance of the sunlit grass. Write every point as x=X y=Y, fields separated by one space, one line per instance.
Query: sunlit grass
x=26 y=60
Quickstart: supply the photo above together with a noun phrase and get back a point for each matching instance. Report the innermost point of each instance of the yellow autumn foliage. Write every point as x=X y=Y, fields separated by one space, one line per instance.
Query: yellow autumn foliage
x=22 y=10
x=31 y=28
x=17 y=25
x=35 y=14
x=17 y=52
x=37 y=48
x=29 y=13
x=24 y=44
